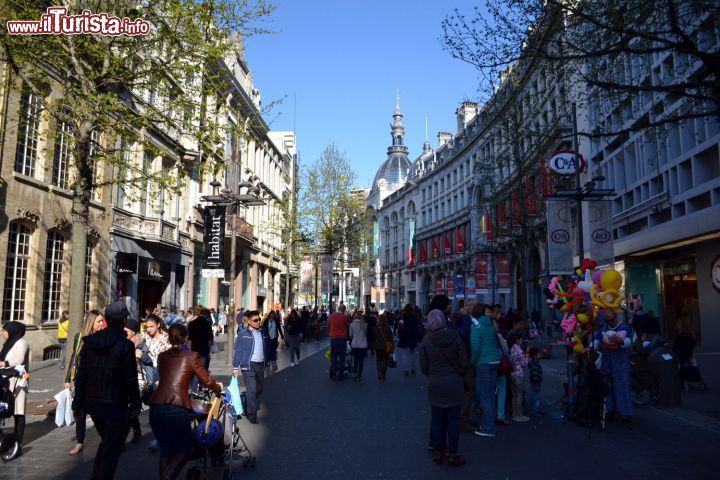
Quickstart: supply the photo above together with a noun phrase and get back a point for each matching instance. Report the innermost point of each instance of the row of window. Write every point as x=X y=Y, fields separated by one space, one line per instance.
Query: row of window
x=16 y=274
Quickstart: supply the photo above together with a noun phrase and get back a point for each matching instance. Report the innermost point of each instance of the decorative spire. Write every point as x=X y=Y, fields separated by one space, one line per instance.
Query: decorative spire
x=397 y=103
x=426 y=144
x=397 y=128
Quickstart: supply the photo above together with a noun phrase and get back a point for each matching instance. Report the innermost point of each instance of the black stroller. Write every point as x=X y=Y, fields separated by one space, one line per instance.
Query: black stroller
x=216 y=436
x=9 y=446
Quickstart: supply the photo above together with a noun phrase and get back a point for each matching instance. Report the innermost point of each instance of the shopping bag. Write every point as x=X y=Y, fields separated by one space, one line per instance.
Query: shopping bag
x=63 y=412
x=234 y=391
x=214 y=348
x=392 y=361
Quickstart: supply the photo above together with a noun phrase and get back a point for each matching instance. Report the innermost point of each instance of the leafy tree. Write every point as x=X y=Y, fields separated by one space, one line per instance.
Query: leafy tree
x=612 y=47
x=112 y=92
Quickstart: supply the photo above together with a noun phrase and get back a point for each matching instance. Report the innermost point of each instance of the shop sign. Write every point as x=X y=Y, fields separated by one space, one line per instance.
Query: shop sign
x=126 y=263
x=262 y=292
x=153 y=269
x=451 y=287
x=438 y=285
x=470 y=286
x=214 y=238
x=563 y=162
x=715 y=273
x=459 y=285
x=560 y=236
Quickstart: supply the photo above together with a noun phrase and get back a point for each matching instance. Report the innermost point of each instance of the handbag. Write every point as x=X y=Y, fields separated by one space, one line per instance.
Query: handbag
x=466 y=383
x=533 y=331
x=505 y=366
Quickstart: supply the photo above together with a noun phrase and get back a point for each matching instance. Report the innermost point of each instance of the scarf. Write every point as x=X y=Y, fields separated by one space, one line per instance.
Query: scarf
x=16 y=331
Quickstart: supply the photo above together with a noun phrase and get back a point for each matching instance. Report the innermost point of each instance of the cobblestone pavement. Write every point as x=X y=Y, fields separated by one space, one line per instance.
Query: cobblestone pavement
x=311 y=427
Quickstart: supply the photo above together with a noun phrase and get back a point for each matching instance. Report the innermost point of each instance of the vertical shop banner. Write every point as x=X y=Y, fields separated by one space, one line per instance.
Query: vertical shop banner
x=530 y=196
x=447 y=244
x=481 y=271
x=470 y=287
x=306 y=275
x=435 y=253
x=382 y=293
x=601 y=237
x=459 y=240
x=560 y=236
x=375 y=294
x=423 y=251
x=213 y=263
x=547 y=183
x=450 y=287
x=459 y=285
x=335 y=284
x=376 y=238
x=503 y=271
x=411 y=246
x=489 y=233
x=438 y=285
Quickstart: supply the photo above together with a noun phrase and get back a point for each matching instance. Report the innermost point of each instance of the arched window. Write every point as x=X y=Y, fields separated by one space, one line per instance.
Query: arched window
x=18 y=257
x=53 y=276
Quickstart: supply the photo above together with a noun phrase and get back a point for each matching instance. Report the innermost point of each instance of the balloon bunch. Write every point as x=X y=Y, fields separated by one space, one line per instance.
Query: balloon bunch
x=581 y=297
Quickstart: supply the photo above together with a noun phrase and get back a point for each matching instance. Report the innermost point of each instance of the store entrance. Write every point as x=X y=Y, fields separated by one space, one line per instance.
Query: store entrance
x=680 y=303
x=149 y=295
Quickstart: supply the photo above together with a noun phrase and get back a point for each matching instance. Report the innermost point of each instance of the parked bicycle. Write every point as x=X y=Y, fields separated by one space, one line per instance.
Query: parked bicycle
x=645 y=386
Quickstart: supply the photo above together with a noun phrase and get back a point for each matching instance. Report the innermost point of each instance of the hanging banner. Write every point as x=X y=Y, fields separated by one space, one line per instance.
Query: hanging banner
x=502 y=217
x=435 y=253
x=489 y=234
x=306 y=274
x=450 y=287
x=560 y=236
x=601 y=236
x=423 y=251
x=470 y=287
x=481 y=270
x=530 y=198
x=335 y=284
x=375 y=294
x=213 y=263
x=326 y=267
x=459 y=285
x=376 y=238
x=503 y=271
x=447 y=244
x=459 y=241
x=438 y=285
x=411 y=246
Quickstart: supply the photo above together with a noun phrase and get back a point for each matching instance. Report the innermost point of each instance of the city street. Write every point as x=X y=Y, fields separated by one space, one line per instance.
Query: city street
x=313 y=428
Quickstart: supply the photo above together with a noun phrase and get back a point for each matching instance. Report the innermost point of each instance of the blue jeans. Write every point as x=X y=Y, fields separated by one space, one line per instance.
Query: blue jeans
x=501 y=396
x=486 y=381
x=445 y=428
x=171 y=426
x=337 y=357
x=534 y=399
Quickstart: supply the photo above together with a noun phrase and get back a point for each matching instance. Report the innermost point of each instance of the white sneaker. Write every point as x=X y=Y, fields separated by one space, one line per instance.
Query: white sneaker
x=292 y=364
x=521 y=419
x=480 y=433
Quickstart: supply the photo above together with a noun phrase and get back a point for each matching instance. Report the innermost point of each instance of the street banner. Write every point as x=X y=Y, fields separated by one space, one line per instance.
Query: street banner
x=423 y=251
x=306 y=274
x=502 y=217
x=450 y=287
x=448 y=244
x=335 y=284
x=383 y=294
x=530 y=197
x=214 y=241
x=438 y=285
x=489 y=234
x=470 y=287
x=459 y=285
x=375 y=294
x=601 y=237
x=560 y=236
x=411 y=246
x=459 y=241
x=435 y=249
x=503 y=271
x=326 y=267
x=481 y=270
x=376 y=238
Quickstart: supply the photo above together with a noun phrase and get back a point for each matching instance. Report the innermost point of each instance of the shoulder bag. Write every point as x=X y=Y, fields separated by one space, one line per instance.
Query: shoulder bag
x=466 y=384
x=505 y=366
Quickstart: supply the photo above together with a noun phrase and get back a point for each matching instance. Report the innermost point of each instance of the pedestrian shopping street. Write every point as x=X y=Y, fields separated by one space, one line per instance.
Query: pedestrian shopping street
x=313 y=428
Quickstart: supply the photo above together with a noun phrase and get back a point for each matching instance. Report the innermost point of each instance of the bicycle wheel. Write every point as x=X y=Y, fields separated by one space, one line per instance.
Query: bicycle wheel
x=645 y=388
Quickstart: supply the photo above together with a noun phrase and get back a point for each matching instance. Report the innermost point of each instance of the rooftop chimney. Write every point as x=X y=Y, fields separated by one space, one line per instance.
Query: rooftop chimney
x=465 y=113
x=443 y=138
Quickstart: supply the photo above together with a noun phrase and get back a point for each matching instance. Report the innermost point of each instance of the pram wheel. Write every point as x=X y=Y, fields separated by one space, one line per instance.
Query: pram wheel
x=193 y=473
x=10 y=447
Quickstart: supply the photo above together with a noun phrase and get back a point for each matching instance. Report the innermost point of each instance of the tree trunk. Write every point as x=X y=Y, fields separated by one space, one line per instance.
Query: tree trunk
x=80 y=215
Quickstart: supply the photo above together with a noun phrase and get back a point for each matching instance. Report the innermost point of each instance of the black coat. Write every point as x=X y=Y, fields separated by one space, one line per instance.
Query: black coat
x=106 y=376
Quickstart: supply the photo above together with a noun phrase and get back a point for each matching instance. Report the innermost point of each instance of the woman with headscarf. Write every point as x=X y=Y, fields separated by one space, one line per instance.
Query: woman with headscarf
x=94 y=322
x=14 y=352
x=383 y=345
x=443 y=359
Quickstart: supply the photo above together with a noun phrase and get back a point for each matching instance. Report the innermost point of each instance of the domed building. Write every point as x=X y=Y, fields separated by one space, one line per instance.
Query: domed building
x=394 y=171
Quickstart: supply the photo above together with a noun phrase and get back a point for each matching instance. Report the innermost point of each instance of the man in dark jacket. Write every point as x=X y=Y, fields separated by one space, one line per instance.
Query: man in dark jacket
x=106 y=387
x=304 y=323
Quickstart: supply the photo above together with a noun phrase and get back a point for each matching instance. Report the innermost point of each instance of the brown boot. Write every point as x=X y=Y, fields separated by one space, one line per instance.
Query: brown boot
x=455 y=460
x=439 y=456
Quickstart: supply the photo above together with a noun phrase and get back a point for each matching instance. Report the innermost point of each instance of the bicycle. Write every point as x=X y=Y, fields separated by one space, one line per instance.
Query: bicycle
x=645 y=386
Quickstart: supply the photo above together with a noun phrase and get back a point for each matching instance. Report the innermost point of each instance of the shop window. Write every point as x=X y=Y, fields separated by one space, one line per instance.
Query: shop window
x=53 y=276
x=28 y=133
x=18 y=257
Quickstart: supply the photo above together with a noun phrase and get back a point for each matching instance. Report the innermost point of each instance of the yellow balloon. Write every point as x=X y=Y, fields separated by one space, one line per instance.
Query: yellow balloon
x=582 y=318
x=579 y=348
x=611 y=280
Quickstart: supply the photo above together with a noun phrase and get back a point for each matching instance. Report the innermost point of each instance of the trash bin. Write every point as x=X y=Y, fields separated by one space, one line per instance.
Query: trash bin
x=663 y=363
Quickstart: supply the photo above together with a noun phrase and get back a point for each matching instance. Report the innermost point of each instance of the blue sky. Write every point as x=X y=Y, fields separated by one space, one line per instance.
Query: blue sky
x=343 y=61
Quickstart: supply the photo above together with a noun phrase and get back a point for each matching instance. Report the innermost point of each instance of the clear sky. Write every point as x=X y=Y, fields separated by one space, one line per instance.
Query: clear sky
x=340 y=62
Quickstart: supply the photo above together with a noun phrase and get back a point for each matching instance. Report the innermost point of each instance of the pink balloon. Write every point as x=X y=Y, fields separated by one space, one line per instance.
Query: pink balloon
x=598 y=277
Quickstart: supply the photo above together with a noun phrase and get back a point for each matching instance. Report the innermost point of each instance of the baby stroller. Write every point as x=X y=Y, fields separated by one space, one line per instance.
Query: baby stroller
x=684 y=346
x=9 y=446
x=216 y=435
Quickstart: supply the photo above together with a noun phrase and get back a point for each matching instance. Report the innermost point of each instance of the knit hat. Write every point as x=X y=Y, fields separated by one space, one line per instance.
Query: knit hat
x=115 y=313
x=132 y=324
x=436 y=321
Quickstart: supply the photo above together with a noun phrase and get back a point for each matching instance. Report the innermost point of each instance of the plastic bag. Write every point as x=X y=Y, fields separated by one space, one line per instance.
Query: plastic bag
x=214 y=348
x=234 y=390
x=63 y=412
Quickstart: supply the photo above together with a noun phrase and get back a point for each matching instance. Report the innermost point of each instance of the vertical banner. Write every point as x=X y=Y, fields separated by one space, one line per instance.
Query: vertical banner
x=470 y=287
x=502 y=217
x=503 y=271
x=481 y=271
x=423 y=251
x=560 y=236
x=306 y=275
x=326 y=266
x=438 y=285
x=375 y=294
x=489 y=233
x=459 y=240
x=450 y=286
x=601 y=237
x=376 y=238
x=213 y=262
x=447 y=244
x=459 y=285
x=530 y=197
x=435 y=253
x=335 y=284
x=411 y=246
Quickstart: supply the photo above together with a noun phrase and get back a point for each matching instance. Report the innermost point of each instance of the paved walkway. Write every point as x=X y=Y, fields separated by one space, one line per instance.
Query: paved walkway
x=313 y=428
